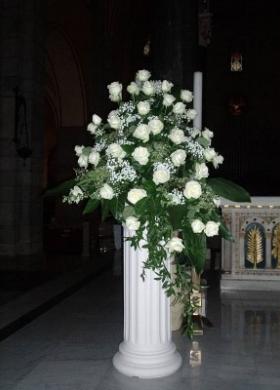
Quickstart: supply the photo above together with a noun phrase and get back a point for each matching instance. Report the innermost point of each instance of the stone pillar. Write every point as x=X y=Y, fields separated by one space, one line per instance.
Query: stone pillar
x=147 y=350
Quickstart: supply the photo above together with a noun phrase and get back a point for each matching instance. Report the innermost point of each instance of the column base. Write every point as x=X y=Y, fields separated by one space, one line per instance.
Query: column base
x=147 y=364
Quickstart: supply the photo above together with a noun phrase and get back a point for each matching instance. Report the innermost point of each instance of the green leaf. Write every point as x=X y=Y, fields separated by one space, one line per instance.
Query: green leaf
x=225 y=233
x=91 y=206
x=61 y=189
x=195 y=248
x=176 y=214
x=229 y=190
x=128 y=211
x=203 y=142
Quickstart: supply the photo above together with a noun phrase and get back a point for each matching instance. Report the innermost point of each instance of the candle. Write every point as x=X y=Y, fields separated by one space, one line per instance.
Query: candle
x=197 y=101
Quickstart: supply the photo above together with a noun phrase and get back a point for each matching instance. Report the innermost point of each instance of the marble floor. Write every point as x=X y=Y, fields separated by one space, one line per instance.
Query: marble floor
x=70 y=347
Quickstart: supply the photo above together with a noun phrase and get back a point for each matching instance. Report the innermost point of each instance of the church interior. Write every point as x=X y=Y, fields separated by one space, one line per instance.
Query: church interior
x=61 y=272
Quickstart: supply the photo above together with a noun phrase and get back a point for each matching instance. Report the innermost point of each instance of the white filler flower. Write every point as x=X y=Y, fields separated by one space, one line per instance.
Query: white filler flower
x=192 y=190
x=175 y=245
x=161 y=175
x=141 y=155
x=142 y=132
x=201 y=171
x=212 y=228
x=132 y=223
x=178 y=157
x=197 y=226
x=106 y=192
x=136 y=194
x=156 y=126
x=143 y=107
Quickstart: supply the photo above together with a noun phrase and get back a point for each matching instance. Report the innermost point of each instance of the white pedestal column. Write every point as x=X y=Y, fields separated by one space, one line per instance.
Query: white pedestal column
x=147 y=350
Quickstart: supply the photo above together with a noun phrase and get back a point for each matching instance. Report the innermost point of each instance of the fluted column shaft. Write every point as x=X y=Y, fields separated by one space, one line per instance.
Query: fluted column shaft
x=147 y=350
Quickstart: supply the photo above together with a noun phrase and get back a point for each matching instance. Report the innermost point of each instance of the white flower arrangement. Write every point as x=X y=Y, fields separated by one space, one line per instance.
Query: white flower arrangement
x=150 y=167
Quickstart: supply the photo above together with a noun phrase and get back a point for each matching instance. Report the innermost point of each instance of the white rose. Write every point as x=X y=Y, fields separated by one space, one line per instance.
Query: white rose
x=106 y=192
x=155 y=125
x=161 y=176
x=212 y=228
x=148 y=88
x=195 y=132
x=207 y=134
x=143 y=75
x=76 y=191
x=114 y=120
x=175 y=245
x=132 y=223
x=94 y=158
x=209 y=154
x=141 y=155
x=217 y=160
x=115 y=91
x=217 y=202
x=192 y=190
x=142 y=132
x=136 y=194
x=96 y=119
x=91 y=127
x=133 y=88
x=191 y=114
x=168 y=99
x=197 y=226
x=83 y=161
x=179 y=108
x=177 y=136
x=186 y=95
x=116 y=151
x=201 y=171
x=114 y=98
x=178 y=157
x=166 y=86
x=79 y=149
x=143 y=108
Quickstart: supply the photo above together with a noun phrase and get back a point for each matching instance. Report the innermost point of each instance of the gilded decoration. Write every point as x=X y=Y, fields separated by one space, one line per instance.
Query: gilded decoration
x=275 y=246
x=255 y=246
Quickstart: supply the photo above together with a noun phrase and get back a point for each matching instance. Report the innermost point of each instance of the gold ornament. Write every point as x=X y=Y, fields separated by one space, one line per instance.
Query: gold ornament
x=254 y=246
x=276 y=244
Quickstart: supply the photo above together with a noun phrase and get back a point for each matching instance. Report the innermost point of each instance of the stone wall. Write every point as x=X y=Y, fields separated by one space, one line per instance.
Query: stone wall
x=22 y=65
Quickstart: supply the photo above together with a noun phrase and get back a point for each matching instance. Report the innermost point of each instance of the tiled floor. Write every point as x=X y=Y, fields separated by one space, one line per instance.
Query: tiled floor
x=71 y=346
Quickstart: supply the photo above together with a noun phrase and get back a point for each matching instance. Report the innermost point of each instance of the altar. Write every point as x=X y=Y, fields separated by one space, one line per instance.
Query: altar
x=252 y=260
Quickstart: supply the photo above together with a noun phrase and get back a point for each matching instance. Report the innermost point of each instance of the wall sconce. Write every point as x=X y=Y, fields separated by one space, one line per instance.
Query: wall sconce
x=237 y=105
x=21 y=134
x=236 y=62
